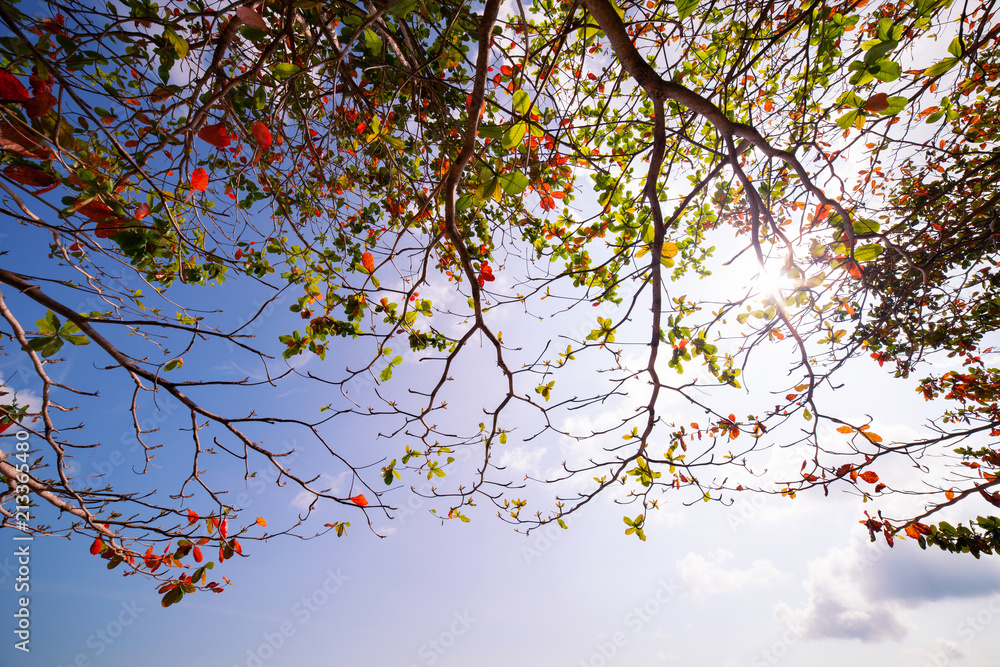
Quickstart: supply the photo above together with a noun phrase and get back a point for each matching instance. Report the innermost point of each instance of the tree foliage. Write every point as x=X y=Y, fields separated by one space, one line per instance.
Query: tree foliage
x=600 y=178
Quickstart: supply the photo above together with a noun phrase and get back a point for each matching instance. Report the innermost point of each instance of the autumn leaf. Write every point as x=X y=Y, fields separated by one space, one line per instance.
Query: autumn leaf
x=217 y=135
x=261 y=522
x=845 y=429
x=40 y=104
x=196 y=552
x=359 y=500
x=96 y=547
x=141 y=212
x=199 y=179
x=224 y=528
x=368 y=261
x=192 y=517
x=950 y=494
x=14 y=138
x=251 y=18
x=11 y=89
x=30 y=176
x=877 y=102
x=261 y=135
x=869 y=476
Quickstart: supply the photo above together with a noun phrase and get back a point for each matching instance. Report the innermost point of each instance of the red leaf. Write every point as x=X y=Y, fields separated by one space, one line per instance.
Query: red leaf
x=869 y=476
x=199 y=179
x=29 y=176
x=95 y=210
x=192 y=517
x=11 y=89
x=224 y=528
x=197 y=555
x=217 y=135
x=359 y=500
x=96 y=547
x=877 y=102
x=362 y=127
x=141 y=212
x=261 y=135
x=14 y=138
x=40 y=105
x=251 y=18
x=991 y=498
x=368 y=261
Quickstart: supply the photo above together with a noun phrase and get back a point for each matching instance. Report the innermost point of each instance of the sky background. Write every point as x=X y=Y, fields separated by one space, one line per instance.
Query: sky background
x=766 y=581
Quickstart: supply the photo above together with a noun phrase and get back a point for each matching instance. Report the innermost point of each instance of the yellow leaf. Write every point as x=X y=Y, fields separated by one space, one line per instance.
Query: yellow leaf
x=669 y=249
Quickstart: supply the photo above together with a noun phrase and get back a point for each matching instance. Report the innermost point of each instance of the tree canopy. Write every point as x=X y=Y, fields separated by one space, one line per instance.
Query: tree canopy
x=570 y=224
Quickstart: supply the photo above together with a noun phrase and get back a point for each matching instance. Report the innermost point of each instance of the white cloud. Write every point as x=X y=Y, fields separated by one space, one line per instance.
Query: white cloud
x=522 y=460
x=708 y=575
x=862 y=591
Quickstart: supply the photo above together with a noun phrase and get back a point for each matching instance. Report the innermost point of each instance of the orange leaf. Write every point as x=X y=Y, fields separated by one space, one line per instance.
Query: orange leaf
x=368 y=261
x=869 y=476
x=261 y=522
x=197 y=555
x=199 y=179
x=96 y=547
x=359 y=500
x=261 y=135
x=950 y=494
x=224 y=528
x=845 y=429
x=874 y=437
x=192 y=517
x=911 y=531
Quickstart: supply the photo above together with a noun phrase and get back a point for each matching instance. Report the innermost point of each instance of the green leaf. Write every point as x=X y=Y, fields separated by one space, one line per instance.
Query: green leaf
x=521 y=102
x=49 y=324
x=956 y=48
x=886 y=71
x=848 y=119
x=866 y=226
x=386 y=373
x=685 y=7
x=179 y=43
x=941 y=67
x=876 y=53
x=284 y=70
x=373 y=42
x=402 y=8
x=514 y=136
x=867 y=253
x=514 y=183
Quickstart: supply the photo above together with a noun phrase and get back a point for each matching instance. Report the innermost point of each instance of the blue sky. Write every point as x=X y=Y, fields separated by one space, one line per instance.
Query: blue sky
x=768 y=581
